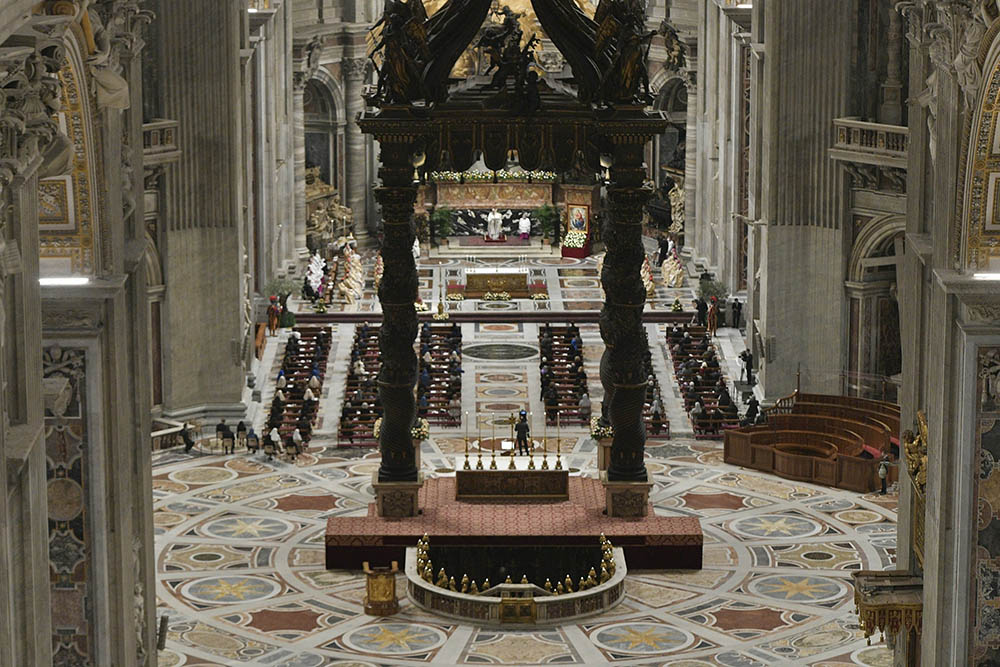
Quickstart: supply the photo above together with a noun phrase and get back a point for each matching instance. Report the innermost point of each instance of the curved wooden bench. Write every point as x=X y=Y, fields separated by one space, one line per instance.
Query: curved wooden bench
x=769 y=448
x=874 y=436
x=888 y=420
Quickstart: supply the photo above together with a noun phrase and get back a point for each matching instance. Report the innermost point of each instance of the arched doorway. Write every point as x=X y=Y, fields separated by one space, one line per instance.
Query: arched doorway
x=321 y=132
x=875 y=350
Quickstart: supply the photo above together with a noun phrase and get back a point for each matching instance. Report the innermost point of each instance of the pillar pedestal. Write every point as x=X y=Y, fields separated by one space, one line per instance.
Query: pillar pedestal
x=626 y=500
x=397 y=500
x=603 y=453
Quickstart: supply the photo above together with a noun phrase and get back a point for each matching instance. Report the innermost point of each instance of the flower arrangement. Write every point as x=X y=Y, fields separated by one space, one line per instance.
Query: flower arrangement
x=575 y=238
x=421 y=307
x=540 y=296
x=496 y=296
x=598 y=432
x=455 y=296
x=420 y=431
x=319 y=306
x=676 y=306
x=486 y=176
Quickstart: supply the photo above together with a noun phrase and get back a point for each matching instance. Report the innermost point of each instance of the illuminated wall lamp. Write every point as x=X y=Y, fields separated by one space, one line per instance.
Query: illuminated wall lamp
x=68 y=281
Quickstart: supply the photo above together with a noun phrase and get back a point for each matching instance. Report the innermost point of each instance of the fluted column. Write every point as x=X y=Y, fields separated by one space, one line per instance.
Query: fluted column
x=622 y=371
x=299 y=122
x=355 y=158
x=397 y=293
x=891 y=110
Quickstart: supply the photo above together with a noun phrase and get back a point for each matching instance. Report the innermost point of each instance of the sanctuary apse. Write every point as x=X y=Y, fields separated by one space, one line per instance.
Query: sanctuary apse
x=176 y=173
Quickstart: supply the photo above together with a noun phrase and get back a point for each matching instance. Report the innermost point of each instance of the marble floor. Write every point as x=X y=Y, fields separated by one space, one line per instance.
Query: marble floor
x=240 y=551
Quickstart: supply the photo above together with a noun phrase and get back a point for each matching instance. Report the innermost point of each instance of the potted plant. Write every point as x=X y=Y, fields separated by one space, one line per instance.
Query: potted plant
x=548 y=218
x=441 y=222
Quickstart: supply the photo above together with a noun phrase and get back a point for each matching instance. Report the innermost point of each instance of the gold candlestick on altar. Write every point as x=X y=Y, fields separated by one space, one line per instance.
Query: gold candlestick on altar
x=493 y=442
x=467 y=466
x=545 y=437
x=558 y=442
x=531 y=447
x=479 y=430
x=510 y=420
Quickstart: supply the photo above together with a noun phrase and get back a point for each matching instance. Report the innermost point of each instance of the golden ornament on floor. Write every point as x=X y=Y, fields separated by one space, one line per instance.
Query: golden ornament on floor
x=380 y=590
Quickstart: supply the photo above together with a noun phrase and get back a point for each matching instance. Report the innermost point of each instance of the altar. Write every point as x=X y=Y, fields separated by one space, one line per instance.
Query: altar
x=513 y=281
x=520 y=483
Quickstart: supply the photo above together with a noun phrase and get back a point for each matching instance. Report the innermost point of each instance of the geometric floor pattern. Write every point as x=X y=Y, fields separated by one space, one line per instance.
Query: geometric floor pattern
x=240 y=560
x=240 y=541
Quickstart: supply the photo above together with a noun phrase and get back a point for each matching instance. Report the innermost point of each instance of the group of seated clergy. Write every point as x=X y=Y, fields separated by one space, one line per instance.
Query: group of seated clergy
x=563 y=378
x=297 y=390
x=702 y=383
x=439 y=384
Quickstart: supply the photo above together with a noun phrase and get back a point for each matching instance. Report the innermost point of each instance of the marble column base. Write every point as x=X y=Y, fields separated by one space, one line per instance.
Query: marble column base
x=604 y=453
x=626 y=500
x=397 y=499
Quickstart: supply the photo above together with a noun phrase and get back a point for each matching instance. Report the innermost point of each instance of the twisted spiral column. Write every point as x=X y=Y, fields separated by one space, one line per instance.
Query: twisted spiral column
x=397 y=292
x=622 y=371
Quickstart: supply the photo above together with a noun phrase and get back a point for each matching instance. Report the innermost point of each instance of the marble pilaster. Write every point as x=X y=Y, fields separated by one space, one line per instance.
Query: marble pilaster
x=298 y=122
x=355 y=149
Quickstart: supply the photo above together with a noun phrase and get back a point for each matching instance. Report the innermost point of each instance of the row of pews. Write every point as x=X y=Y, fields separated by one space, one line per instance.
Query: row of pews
x=304 y=358
x=439 y=382
x=563 y=377
x=439 y=392
x=703 y=385
x=361 y=406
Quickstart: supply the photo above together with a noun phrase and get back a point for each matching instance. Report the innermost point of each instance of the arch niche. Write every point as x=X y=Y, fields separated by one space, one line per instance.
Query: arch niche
x=875 y=350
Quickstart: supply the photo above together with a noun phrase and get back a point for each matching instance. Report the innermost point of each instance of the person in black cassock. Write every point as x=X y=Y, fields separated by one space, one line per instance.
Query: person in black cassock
x=523 y=431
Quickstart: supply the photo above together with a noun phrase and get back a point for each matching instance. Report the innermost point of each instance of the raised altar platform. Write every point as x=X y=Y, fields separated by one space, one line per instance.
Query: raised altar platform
x=651 y=542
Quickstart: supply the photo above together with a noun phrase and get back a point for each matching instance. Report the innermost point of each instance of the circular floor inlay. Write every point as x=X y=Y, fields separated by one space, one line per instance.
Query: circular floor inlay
x=228 y=590
x=248 y=528
x=643 y=638
x=858 y=516
x=776 y=525
x=797 y=588
x=203 y=475
x=394 y=638
x=499 y=351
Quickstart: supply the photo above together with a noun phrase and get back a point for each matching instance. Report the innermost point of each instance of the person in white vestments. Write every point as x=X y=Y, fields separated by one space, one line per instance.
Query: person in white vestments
x=524 y=227
x=494 y=225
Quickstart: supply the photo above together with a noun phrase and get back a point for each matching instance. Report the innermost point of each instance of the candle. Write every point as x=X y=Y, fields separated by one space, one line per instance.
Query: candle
x=466 y=432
